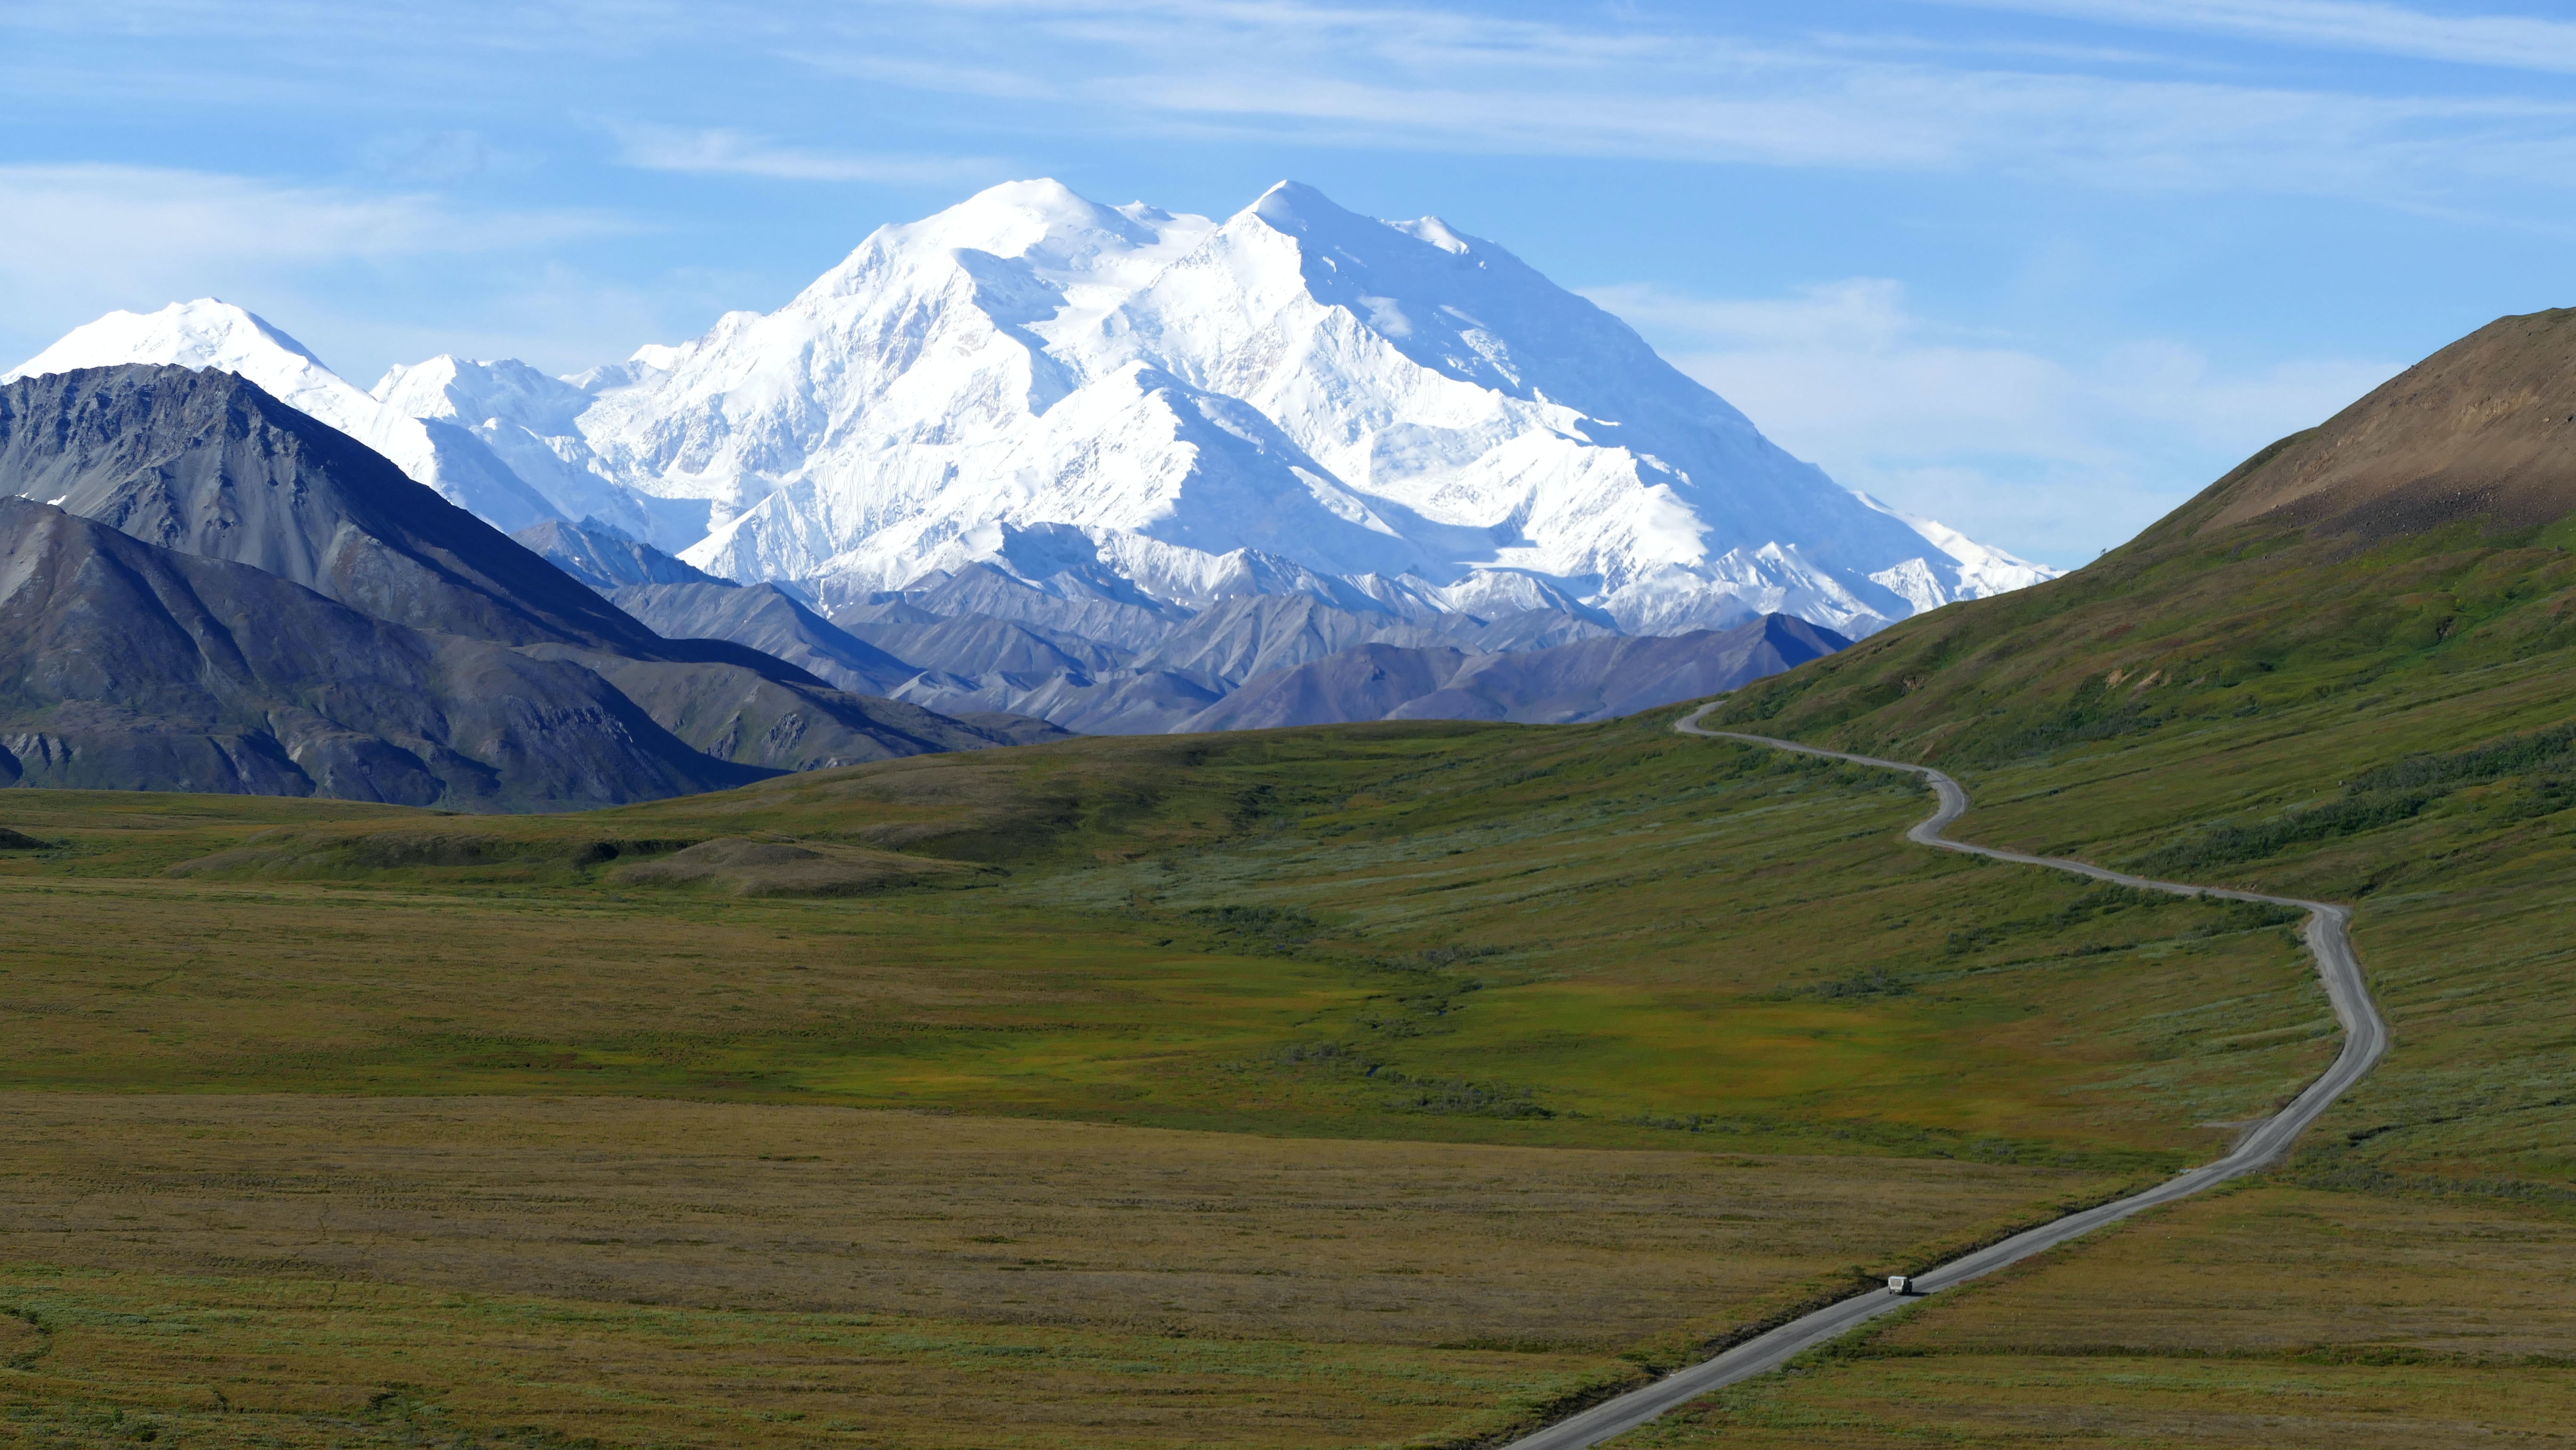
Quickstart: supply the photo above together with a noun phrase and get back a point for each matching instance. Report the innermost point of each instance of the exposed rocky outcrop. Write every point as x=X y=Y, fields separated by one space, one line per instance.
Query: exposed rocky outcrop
x=207 y=463
x=205 y=466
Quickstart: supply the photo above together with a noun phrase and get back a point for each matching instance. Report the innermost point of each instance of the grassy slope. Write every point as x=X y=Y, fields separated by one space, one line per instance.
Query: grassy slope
x=2375 y=722
x=2262 y=709
x=1602 y=937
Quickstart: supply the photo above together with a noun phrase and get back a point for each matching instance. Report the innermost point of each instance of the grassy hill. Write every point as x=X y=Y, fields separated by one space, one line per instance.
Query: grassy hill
x=2348 y=670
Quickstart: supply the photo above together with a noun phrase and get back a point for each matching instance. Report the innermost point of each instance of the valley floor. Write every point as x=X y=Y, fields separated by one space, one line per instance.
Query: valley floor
x=672 y=1272
x=1378 y=1085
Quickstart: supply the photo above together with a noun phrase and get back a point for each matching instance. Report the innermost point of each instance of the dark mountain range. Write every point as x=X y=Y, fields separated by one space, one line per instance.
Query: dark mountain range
x=979 y=645
x=135 y=667
x=768 y=619
x=738 y=715
x=1120 y=703
x=1235 y=639
x=1594 y=679
x=208 y=465
x=1529 y=665
x=606 y=558
x=1129 y=622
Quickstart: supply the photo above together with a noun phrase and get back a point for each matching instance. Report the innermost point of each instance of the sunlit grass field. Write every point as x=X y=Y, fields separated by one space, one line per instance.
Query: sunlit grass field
x=1596 y=935
x=1503 y=1065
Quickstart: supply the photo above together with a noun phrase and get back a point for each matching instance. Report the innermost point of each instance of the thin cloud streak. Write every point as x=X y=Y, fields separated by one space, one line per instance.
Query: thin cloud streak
x=723 y=152
x=1426 y=81
x=86 y=217
x=2508 y=42
x=84 y=240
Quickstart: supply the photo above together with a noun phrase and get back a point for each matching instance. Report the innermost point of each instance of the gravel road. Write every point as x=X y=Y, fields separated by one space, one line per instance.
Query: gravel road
x=2365 y=1039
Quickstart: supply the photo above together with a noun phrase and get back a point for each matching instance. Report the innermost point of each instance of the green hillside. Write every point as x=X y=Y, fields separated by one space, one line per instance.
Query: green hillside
x=2346 y=670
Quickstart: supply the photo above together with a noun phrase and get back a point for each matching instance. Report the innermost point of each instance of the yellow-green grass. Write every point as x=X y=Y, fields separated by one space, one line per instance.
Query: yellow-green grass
x=731 y=1205
x=107 y=1357
x=2265 y=1315
x=1573 y=944
x=2037 y=1402
x=2466 y=920
x=698 y=1266
x=1596 y=935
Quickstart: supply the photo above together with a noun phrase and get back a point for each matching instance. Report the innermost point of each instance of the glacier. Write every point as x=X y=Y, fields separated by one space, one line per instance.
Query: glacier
x=1134 y=411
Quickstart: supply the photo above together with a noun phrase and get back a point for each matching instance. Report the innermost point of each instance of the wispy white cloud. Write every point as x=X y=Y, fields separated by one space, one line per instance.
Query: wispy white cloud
x=83 y=240
x=100 y=221
x=1429 y=79
x=724 y=152
x=1673 y=84
x=1986 y=432
x=2511 y=42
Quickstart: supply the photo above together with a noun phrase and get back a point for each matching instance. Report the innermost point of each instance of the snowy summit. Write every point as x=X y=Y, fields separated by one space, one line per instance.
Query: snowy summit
x=1121 y=403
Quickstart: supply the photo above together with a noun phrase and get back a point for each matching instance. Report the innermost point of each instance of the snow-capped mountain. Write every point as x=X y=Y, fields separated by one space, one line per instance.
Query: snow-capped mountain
x=1124 y=405
x=211 y=334
x=1068 y=389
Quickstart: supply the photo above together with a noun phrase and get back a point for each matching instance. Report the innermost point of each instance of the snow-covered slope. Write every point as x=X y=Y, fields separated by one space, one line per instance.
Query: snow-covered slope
x=525 y=419
x=211 y=334
x=1291 y=399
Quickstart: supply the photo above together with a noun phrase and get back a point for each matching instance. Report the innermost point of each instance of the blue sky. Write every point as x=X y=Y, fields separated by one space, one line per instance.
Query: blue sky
x=2039 y=268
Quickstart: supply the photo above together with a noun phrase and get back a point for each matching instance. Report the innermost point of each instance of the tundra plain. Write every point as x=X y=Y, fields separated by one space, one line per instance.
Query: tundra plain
x=1367 y=1085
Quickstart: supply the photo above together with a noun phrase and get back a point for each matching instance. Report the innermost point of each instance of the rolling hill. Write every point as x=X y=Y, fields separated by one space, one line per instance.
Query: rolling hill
x=2347 y=670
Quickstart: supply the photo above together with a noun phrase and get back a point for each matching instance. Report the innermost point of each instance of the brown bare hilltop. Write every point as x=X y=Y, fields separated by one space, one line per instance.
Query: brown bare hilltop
x=2485 y=427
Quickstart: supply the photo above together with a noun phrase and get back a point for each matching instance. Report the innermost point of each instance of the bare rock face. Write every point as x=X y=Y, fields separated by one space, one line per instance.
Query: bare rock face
x=605 y=557
x=735 y=714
x=207 y=463
x=140 y=668
x=769 y=619
x=2484 y=428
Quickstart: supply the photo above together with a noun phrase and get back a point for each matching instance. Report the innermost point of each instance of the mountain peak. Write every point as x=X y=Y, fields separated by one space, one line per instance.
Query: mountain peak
x=212 y=334
x=1300 y=210
x=1295 y=208
x=1058 y=235
x=208 y=332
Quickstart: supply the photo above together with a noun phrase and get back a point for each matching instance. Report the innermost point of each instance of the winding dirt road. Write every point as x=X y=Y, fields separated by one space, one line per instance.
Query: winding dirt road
x=2365 y=1039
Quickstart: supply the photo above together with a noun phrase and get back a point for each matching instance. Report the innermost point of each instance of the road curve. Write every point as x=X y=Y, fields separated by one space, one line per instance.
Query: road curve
x=2365 y=1039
